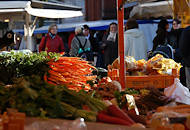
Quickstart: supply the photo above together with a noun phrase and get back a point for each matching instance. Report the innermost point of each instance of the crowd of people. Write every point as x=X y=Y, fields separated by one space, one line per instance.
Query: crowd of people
x=101 y=49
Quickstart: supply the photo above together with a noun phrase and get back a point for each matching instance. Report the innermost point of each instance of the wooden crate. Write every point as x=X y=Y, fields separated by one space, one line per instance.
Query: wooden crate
x=138 y=82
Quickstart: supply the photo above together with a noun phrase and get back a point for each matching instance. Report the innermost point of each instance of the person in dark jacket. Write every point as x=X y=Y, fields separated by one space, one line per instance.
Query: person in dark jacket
x=184 y=46
x=89 y=36
x=162 y=34
x=93 y=43
x=98 y=37
x=174 y=36
x=110 y=45
x=52 y=42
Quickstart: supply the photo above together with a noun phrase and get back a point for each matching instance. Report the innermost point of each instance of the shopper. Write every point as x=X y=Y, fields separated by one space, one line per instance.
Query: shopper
x=80 y=46
x=184 y=46
x=52 y=42
x=98 y=37
x=173 y=38
x=162 y=34
x=93 y=43
x=135 y=41
x=110 y=45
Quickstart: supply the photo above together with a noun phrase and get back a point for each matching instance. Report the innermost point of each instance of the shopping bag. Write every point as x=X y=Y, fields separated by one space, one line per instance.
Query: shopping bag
x=178 y=92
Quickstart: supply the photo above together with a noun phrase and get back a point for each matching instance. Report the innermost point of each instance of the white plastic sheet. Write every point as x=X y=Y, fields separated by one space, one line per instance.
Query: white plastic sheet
x=178 y=92
x=52 y=13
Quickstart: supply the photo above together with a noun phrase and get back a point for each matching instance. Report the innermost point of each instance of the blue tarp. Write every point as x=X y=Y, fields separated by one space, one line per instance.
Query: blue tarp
x=94 y=25
x=149 y=28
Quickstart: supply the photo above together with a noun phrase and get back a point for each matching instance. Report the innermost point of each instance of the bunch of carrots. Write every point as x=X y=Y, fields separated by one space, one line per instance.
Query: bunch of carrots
x=70 y=71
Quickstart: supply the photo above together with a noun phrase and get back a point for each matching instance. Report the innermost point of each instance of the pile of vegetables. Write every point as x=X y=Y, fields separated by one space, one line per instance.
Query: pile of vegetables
x=70 y=71
x=37 y=98
x=106 y=88
x=146 y=99
x=115 y=115
x=17 y=64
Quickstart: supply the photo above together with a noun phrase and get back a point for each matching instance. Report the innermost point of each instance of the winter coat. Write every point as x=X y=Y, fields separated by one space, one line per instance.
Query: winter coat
x=173 y=39
x=94 y=44
x=75 y=45
x=51 y=45
x=161 y=38
x=135 y=44
x=110 y=50
x=184 y=46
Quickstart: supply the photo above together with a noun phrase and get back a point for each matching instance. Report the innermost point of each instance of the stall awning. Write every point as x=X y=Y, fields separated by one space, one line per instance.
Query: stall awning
x=37 y=4
x=152 y=10
x=15 y=10
x=51 y=13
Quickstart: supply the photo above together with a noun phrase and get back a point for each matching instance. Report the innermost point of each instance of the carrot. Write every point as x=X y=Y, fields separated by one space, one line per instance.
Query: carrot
x=45 y=77
x=69 y=58
x=56 y=76
x=57 y=69
x=117 y=112
x=71 y=71
x=89 y=66
x=101 y=117
x=54 y=72
x=64 y=63
x=53 y=80
x=59 y=66
x=50 y=82
x=83 y=61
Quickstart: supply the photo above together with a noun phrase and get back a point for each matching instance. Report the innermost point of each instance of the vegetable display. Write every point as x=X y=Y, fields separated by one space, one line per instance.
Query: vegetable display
x=50 y=86
x=36 y=98
x=154 y=66
x=151 y=101
x=70 y=71
x=18 y=64
x=114 y=115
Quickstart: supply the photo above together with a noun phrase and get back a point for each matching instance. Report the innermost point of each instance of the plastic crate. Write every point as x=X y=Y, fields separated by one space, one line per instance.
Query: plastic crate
x=138 y=82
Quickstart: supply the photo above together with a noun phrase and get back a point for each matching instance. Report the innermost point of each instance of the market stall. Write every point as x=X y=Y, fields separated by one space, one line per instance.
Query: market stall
x=53 y=86
x=51 y=91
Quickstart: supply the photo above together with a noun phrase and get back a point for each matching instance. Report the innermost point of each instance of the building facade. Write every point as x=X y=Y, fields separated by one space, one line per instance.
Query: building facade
x=79 y=3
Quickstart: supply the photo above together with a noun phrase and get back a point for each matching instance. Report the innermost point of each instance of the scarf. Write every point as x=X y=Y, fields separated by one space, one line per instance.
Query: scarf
x=52 y=35
x=111 y=37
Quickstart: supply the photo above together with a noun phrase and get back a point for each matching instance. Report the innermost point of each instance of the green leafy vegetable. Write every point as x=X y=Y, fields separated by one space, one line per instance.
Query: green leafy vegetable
x=17 y=64
x=36 y=98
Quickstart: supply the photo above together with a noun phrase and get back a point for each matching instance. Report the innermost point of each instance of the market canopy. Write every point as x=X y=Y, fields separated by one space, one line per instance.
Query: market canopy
x=53 y=13
x=16 y=10
x=152 y=10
